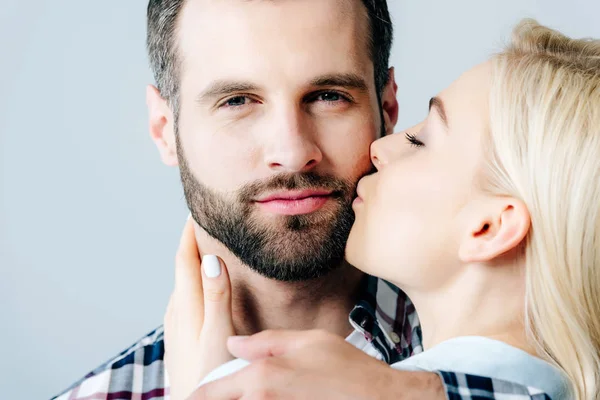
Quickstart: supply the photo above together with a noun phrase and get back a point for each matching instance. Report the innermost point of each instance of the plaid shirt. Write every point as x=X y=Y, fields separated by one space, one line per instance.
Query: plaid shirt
x=384 y=317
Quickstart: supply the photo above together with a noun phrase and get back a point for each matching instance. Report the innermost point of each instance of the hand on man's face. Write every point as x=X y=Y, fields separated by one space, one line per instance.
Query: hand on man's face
x=198 y=319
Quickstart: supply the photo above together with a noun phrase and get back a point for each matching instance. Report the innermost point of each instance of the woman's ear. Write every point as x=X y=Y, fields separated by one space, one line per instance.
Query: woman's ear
x=389 y=103
x=160 y=121
x=498 y=226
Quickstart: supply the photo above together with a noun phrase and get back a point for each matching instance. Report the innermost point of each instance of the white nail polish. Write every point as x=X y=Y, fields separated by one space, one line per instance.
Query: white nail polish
x=211 y=265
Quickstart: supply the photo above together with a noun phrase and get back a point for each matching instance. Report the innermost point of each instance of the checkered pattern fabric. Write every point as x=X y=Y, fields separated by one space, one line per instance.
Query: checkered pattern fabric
x=384 y=316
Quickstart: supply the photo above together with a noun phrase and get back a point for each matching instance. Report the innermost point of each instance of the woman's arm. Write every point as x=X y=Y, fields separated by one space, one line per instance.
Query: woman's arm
x=316 y=364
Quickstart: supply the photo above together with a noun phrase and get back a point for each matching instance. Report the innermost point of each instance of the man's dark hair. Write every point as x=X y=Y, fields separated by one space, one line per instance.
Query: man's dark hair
x=162 y=21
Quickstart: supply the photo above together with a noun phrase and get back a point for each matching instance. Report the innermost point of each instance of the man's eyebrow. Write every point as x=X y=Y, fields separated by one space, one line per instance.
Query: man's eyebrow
x=349 y=81
x=223 y=88
x=438 y=104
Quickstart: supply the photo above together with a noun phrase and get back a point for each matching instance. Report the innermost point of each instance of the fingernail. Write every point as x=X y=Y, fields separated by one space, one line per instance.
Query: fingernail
x=211 y=265
x=189 y=216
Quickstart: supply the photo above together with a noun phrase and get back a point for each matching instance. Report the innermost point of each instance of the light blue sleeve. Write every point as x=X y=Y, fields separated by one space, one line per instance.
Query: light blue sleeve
x=226 y=369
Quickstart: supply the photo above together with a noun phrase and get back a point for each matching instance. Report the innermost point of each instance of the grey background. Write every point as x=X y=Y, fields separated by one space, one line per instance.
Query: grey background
x=90 y=218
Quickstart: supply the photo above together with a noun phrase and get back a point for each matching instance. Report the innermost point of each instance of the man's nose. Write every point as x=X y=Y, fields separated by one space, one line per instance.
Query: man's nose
x=294 y=143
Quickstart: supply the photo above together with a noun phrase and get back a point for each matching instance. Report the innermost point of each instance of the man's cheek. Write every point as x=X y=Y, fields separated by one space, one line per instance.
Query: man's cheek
x=354 y=162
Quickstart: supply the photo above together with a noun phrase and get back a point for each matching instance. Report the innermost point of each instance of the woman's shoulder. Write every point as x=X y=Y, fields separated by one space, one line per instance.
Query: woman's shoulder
x=476 y=355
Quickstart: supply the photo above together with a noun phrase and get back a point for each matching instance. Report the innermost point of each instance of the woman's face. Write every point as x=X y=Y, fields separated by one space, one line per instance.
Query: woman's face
x=412 y=215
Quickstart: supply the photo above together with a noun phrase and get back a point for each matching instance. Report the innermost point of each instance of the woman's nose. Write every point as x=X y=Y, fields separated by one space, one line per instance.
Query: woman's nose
x=378 y=156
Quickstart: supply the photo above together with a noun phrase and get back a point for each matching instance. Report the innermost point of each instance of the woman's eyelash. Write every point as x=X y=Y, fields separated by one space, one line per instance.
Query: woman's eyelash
x=412 y=139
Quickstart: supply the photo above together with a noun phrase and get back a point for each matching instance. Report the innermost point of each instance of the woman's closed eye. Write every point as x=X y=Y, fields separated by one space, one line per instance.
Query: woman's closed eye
x=412 y=139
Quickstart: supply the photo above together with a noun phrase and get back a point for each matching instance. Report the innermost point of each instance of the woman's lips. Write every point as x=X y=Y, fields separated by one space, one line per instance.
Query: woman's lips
x=358 y=200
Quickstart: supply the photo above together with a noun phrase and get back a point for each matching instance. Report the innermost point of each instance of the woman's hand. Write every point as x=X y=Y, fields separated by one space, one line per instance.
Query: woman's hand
x=302 y=365
x=198 y=319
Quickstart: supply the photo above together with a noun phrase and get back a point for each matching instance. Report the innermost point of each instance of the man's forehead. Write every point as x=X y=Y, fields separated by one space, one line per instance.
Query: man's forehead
x=331 y=7
x=262 y=37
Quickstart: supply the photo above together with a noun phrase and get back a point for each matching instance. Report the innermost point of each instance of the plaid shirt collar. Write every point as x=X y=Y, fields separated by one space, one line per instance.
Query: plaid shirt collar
x=388 y=320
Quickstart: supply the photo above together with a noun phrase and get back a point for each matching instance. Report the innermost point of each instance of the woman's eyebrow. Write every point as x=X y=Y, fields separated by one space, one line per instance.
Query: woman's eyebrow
x=438 y=104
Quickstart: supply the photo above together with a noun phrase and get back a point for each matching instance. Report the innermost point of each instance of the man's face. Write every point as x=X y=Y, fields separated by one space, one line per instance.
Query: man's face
x=278 y=108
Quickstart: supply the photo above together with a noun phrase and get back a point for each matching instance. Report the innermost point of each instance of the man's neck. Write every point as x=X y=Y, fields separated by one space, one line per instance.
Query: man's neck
x=260 y=303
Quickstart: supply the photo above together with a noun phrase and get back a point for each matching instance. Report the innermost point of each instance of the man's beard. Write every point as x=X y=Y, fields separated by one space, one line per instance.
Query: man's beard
x=288 y=248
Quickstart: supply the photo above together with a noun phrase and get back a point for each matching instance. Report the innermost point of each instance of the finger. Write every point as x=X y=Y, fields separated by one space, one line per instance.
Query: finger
x=167 y=325
x=188 y=278
x=168 y=317
x=269 y=343
x=216 y=286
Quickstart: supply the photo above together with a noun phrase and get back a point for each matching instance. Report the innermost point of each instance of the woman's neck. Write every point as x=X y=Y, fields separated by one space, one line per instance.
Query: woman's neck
x=482 y=301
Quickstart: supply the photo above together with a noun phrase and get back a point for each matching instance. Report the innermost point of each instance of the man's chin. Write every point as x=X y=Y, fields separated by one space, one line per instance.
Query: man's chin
x=293 y=228
x=295 y=266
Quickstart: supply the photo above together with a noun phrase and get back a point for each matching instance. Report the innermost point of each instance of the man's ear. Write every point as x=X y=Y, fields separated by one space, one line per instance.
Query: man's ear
x=161 y=124
x=498 y=226
x=389 y=103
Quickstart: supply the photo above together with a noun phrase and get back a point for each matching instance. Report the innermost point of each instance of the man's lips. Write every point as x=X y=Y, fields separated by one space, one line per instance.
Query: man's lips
x=295 y=202
x=295 y=195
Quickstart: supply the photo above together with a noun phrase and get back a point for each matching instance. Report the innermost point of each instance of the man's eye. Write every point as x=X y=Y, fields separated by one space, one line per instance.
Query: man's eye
x=330 y=96
x=236 y=101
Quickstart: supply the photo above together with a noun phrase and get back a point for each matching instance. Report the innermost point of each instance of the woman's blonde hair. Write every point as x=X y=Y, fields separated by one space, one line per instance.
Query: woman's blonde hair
x=545 y=150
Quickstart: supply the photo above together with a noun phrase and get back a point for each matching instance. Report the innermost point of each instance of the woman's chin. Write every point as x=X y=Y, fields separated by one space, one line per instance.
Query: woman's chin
x=355 y=249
